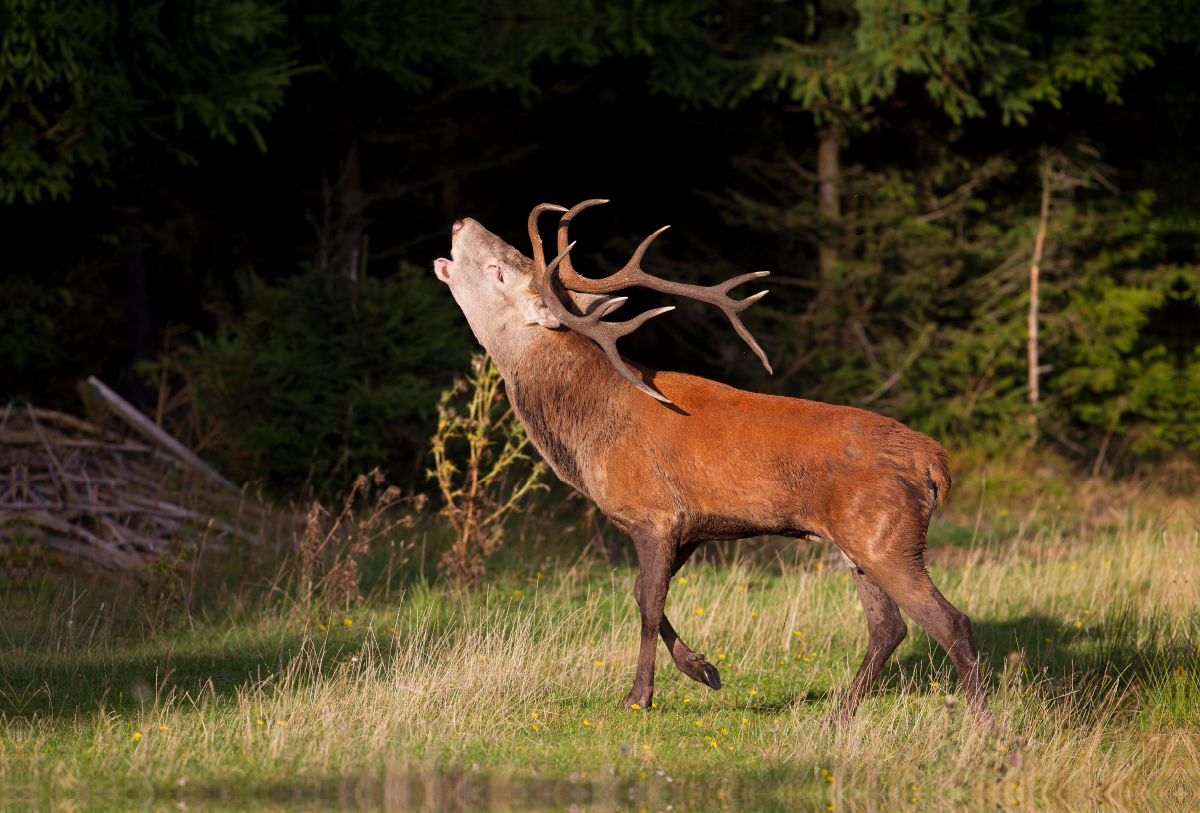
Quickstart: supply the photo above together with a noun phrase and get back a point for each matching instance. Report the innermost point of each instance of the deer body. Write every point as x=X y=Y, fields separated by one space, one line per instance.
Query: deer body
x=724 y=464
x=702 y=461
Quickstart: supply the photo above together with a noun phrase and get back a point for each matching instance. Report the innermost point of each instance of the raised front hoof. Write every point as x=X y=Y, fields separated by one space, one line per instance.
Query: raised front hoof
x=701 y=671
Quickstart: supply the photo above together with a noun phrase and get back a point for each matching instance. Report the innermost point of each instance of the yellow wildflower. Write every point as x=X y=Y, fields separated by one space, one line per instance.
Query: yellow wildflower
x=347 y=622
x=137 y=735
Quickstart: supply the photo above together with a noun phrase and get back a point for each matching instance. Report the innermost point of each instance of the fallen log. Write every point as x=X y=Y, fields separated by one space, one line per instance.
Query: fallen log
x=102 y=499
x=152 y=432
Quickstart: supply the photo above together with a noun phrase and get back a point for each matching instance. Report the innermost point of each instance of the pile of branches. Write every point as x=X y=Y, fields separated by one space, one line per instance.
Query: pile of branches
x=98 y=498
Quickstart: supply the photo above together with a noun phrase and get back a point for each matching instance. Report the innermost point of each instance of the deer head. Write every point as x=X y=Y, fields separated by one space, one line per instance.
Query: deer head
x=506 y=297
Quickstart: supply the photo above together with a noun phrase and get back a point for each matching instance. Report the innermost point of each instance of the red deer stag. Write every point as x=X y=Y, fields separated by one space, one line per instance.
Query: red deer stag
x=700 y=461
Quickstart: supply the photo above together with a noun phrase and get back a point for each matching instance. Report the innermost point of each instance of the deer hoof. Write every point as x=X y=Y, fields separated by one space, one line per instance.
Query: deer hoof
x=632 y=700
x=710 y=676
x=838 y=718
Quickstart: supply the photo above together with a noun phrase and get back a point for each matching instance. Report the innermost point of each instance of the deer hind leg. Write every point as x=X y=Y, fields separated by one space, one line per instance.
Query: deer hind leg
x=650 y=590
x=911 y=588
x=886 y=629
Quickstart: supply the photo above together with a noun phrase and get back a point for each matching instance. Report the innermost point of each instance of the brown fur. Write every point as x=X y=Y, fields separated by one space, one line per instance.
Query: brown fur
x=719 y=463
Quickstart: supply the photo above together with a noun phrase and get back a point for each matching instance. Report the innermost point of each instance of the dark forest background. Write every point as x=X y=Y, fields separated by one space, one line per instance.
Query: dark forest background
x=227 y=209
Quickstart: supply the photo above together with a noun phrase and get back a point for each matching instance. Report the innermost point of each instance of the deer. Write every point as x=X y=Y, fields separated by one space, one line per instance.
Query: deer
x=676 y=460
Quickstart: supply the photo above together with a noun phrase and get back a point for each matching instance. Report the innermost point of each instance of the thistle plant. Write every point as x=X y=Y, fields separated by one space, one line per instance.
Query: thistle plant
x=488 y=483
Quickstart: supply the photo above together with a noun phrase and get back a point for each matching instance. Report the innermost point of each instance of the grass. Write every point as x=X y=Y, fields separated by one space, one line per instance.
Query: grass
x=1088 y=632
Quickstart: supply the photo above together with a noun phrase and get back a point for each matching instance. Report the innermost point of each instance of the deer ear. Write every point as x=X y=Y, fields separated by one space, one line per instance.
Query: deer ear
x=536 y=313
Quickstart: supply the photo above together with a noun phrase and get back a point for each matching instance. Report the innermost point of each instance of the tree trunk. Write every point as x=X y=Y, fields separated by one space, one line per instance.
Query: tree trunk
x=828 y=197
x=1034 y=280
x=351 y=205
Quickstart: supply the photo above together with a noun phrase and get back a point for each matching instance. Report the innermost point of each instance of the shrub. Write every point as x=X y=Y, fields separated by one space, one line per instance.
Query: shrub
x=488 y=484
x=322 y=376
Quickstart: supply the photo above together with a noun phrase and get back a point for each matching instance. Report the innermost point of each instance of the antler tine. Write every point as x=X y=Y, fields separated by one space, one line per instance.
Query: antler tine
x=632 y=274
x=604 y=334
x=567 y=274
x=535 y=238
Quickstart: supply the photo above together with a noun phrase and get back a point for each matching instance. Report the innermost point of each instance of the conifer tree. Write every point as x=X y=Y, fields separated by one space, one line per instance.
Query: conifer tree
x=82 y=80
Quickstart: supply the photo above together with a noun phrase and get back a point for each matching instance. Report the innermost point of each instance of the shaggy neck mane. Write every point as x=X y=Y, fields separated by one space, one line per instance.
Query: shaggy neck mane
x=570 y=400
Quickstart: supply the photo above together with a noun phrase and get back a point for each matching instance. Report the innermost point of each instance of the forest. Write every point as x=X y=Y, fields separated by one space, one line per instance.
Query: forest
x=202 y=191
x=980 y=218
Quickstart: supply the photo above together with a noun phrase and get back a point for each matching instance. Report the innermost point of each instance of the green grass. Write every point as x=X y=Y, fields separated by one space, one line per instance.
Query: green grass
x=513 y=689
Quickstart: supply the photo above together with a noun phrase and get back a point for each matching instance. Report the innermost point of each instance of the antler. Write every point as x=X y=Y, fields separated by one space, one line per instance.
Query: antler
x=632 y=274
x=539 y=255
x=606 y=334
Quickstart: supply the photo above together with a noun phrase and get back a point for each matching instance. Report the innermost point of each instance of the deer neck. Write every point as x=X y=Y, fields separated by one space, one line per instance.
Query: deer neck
x=570 y=401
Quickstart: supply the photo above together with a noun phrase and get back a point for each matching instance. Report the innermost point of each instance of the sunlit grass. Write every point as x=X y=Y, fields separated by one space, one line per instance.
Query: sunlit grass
x=1090 y=649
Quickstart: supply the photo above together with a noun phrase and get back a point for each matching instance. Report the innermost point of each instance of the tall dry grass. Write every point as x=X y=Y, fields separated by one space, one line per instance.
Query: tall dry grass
x=1090 y=644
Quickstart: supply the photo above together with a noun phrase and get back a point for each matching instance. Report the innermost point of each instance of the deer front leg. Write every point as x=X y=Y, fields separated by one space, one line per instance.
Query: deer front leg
x=691 y=663
x=650 y=590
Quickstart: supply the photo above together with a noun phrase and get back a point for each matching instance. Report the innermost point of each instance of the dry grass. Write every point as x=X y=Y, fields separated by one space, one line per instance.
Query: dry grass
x=1091 y=650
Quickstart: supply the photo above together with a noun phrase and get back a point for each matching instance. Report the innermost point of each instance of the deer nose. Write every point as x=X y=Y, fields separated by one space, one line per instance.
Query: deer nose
x=458 y=224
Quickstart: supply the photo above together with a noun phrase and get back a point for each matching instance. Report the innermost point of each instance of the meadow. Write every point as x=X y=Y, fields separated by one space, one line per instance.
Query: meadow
x=1084 y=606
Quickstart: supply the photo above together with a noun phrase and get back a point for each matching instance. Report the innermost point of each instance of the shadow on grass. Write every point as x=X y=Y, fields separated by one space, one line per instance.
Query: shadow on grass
x=62 y=660
x=1154 y=654
x=63 y=687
